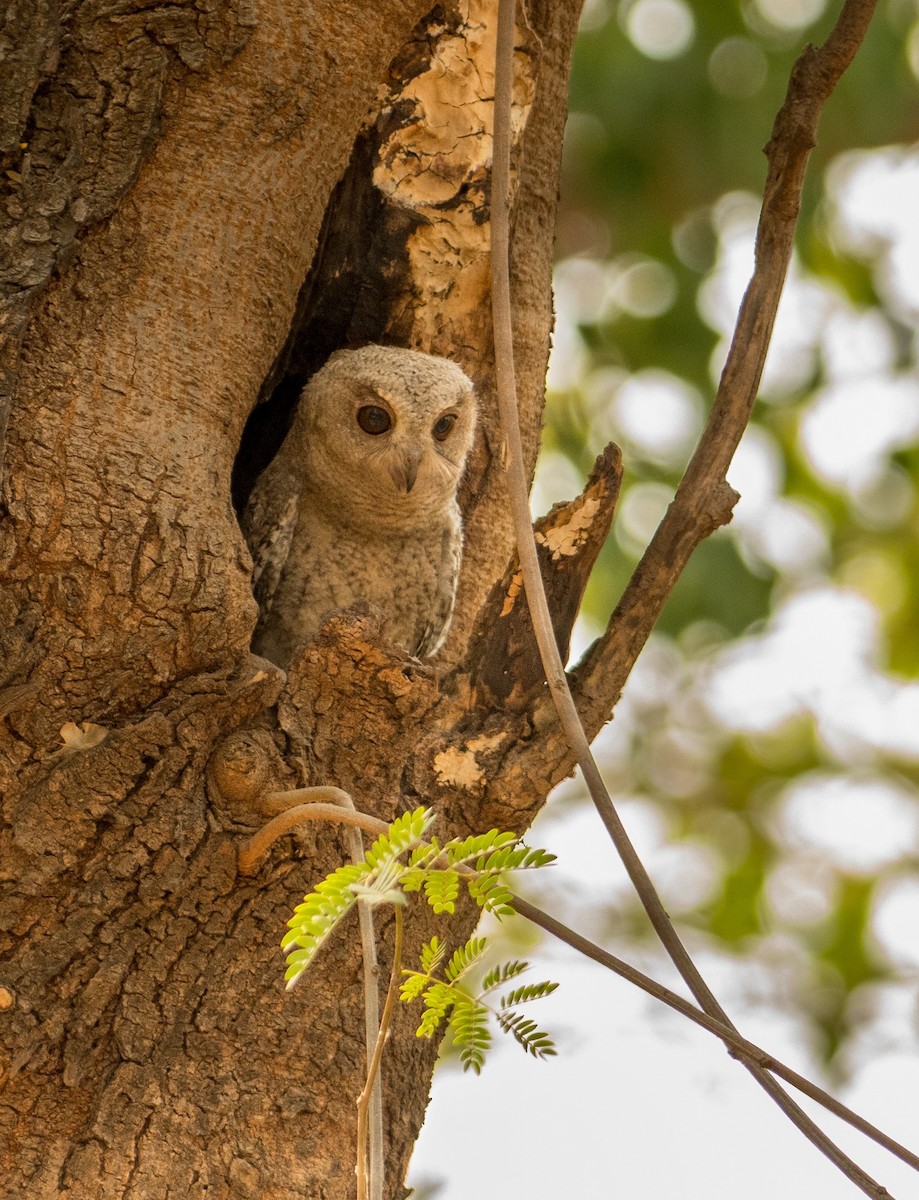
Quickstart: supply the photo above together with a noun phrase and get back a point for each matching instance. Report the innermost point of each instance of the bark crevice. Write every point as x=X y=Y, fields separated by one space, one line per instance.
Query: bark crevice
x=149 y=1048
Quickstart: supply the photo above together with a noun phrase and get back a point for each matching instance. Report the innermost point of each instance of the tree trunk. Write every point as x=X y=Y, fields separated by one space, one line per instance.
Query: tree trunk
x=201 y=203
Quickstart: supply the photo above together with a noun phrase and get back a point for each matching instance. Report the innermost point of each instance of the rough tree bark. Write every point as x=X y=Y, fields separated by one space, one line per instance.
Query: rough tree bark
x=200 y=203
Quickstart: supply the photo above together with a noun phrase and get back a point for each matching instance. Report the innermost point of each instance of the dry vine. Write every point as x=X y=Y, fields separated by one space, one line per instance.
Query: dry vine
x=304 y=810
x=704 y=500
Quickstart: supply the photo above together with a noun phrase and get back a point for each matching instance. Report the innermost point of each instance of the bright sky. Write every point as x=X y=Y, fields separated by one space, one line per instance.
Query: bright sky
x=639 y=1102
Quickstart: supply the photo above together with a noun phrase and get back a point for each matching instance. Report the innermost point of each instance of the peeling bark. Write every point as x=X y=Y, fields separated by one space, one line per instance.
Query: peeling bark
x=503 y=661
x=202 y=159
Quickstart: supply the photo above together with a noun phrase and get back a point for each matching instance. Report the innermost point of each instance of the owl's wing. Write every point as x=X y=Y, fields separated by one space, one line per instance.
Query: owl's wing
x=435 y=631
x=268 y=524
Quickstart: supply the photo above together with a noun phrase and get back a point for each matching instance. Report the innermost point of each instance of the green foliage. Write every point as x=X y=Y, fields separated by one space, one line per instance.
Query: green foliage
x=374 y=880
x=660 y=152
x=526 y=1034
x=439 y=871
x=486 y=858
x=465 y=958
x=501 y=974
x=441 y=889
x=317 y=916
x=466 y=1012
x=469 y=1026
x=402 y=835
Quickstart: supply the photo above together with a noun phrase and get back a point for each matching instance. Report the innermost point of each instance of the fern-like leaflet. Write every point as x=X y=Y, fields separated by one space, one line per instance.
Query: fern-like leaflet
x=501 y=974
x=529 y=991
x=525 y=1032
x=469 y=1026
x=317 y=916
x=374 y=880
x=441 y=889
x=465 y=958
x=438 y=871
x=480 y=860
x=466 y=1013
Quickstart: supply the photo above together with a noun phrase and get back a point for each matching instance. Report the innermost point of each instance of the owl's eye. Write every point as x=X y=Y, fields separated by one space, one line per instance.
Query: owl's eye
x=443 y=426
x=373 y=420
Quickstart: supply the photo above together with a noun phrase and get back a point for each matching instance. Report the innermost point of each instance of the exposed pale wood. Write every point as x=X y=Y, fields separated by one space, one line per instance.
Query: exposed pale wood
x=503 y=662
x=150 y=1049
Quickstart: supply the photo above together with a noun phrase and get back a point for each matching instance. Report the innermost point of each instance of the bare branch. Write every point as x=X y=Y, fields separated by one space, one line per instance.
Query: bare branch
x=372 y=1083
x=757 y=316
x=704 y=1021
x=704 y=500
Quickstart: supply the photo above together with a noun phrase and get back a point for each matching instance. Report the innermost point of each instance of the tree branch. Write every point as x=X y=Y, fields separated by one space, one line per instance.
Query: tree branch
x=693 y=523
x=372 y=1083
x=253 y=851
x=727 y=1034
x=704 y=500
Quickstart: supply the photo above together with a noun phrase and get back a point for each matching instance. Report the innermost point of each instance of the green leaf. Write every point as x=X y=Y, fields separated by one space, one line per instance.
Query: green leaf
x=432 y=955
x=469 y=1026
x=375 y=881
x=412 y=878
x=441 y=889
x=463 y=850
x=534 y=858
x=490 y=893
x=465 y=958
x=501 y=974
x=529 y=991
x=424 y=854
x=412 y=987
x=526 y=1033
x=318 y=914
x=402 y=833
x=438 y=1000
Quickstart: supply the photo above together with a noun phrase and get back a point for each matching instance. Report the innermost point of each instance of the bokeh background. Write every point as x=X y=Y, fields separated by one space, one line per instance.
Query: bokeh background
x=765 y=754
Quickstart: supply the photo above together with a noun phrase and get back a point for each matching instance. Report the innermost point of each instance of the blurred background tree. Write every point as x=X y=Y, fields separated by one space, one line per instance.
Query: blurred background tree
x=765 y=753
x=770 y=736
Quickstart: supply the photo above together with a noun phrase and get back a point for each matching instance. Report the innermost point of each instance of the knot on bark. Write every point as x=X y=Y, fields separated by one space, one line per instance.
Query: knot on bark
x=241 y=772
x=718 y=507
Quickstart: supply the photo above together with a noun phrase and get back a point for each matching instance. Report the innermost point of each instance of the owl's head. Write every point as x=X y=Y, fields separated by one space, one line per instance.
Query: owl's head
x=387 y=432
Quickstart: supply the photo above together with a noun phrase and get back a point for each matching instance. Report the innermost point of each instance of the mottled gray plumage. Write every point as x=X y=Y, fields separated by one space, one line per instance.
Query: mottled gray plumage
x=360 y=502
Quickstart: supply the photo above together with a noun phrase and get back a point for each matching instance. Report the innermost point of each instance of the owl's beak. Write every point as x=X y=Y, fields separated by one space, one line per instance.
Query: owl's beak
x=404 y=471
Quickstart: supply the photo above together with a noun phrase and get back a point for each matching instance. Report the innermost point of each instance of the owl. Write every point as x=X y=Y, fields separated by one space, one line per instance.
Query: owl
x=360 y=502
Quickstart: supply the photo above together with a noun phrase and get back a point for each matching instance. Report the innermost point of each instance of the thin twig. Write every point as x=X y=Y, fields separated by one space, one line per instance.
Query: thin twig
x=371 y=1026
x=726 y=1032
x=539 y=611
x=718 y=1028
x=372 y=1081
x=254 y=850
x=704 y=500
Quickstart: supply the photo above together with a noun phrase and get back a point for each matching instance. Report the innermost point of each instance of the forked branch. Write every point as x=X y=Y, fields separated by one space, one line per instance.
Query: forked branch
x=703 y=501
